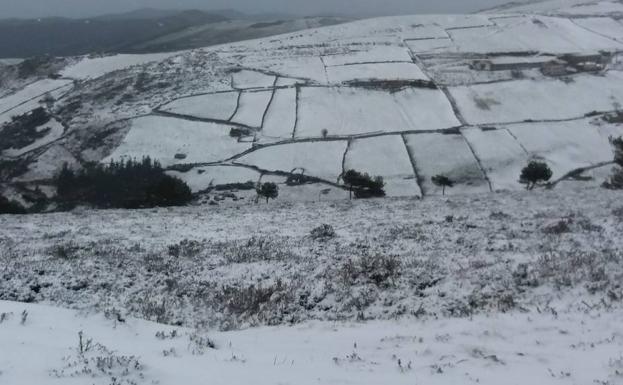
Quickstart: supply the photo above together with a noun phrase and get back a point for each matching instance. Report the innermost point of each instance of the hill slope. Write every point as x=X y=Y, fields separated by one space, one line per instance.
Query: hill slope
x=473 y=97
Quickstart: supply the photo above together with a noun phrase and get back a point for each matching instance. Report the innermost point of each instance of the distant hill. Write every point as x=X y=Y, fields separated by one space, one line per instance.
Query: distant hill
x=68 y=37
x=142 y=31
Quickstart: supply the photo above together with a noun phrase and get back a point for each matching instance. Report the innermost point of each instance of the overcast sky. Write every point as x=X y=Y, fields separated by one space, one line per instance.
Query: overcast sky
x=81 y=8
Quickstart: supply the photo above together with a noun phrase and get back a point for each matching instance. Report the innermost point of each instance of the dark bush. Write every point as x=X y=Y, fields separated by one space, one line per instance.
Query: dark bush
x=267 y=190
x=534 y=173
x=130 y=184
x=363 y=185
x=10 y=207
x=323 y=232
x=615 y=182
x=443 y=182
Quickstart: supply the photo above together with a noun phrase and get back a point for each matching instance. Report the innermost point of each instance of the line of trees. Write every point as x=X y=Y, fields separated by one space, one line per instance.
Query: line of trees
x=362 y=185
x=126 y=184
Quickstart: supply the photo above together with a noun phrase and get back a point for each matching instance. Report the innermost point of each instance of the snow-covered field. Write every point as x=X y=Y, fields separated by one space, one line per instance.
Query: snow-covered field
x=252 y=106
x=513 y=287
x=374 y=71
x=449 y=155
x=460 y=289
x=384 y=156
x=566 y=145
x=218 y=106
x=351 y=111
x=162 y=138
x=365 y=79
x=521 y=100
x=319 y=159
x=281 y=116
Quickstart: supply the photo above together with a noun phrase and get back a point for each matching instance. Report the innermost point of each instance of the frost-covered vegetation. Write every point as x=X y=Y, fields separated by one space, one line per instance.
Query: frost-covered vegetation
x=231 y=267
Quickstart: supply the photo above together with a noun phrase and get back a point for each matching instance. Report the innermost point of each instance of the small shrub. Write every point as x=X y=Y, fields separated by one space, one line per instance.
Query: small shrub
x=558 y=227
x=199 y=344
x=185 y=249
x=255 y=249
x=535 y=172
x=381 y=270
x=94 y=360
x=65 y=251
x=323 y=232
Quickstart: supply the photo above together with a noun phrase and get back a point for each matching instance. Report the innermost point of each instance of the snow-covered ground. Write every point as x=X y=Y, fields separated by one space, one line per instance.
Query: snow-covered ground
x=566 y=348
x=506 y=288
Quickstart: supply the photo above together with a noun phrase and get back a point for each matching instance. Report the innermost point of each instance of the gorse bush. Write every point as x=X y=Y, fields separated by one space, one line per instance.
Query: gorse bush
x=123 y=184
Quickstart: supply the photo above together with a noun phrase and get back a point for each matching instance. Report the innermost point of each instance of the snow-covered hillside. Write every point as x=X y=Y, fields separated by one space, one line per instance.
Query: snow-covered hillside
x=469 y=96
x=514 y=288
